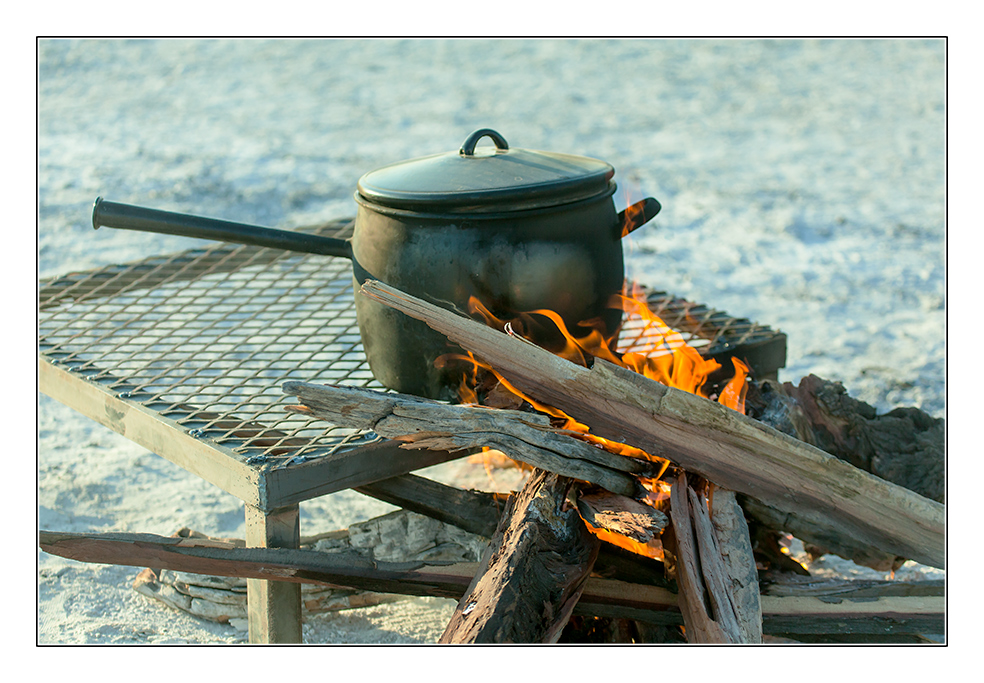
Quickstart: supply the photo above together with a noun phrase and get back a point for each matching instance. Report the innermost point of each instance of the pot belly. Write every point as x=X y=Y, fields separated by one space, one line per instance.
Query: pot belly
x=447 y=264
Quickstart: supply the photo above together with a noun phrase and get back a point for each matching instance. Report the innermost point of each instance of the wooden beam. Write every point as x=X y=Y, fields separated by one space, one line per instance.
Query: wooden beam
x=274 y=607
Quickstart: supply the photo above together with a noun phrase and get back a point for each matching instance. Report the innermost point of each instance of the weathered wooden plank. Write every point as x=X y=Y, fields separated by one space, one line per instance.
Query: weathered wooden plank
x=153 y=431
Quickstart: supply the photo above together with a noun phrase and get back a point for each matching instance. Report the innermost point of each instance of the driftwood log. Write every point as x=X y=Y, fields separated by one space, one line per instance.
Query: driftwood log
x=729 y=449
x=706 y=592
x=533 y=572
x=423 y=423
x=399 y=536
x=905 y=446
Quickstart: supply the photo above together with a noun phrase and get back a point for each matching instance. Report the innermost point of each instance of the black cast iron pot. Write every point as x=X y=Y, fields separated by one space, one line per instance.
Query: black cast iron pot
x=518 y=229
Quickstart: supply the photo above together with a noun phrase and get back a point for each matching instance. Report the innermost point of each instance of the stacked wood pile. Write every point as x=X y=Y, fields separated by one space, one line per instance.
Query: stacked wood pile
x=806 y=460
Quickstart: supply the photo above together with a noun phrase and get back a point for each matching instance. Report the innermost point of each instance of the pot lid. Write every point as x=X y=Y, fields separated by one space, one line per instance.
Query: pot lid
x=486 y=179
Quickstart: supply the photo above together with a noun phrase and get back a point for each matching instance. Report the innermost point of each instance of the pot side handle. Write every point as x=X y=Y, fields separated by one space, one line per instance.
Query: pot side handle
x=637 y=215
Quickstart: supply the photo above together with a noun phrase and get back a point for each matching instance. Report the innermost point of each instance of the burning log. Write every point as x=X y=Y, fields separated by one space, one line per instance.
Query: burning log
x=533 y=572
x=623 y=516
x=479 y=512
x=703 y=437
x=423 y=423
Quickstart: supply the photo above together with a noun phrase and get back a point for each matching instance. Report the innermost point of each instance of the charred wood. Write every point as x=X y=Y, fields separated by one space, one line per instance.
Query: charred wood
x=623 y=516
x=533 y=572
x=474 y=511
x=905 y=446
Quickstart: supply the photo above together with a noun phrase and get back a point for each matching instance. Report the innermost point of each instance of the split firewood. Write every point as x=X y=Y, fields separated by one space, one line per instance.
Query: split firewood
x=533 y=572
x=921 y=610
x=423 y=423
x=729 y=449
x=735 y=547
x=706 y=598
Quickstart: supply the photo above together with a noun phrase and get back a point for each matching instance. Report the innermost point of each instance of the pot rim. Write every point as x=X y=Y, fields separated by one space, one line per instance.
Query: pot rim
x=479 y=212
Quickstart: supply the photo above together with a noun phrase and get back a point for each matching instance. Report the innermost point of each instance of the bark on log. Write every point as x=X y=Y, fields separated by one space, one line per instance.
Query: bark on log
x=701 y=436
x=905 y=446
x=422 y=423
x=921 y=610
x=533 y=572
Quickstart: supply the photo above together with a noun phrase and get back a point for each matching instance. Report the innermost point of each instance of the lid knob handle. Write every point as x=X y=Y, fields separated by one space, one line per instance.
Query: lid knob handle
x=468 y=146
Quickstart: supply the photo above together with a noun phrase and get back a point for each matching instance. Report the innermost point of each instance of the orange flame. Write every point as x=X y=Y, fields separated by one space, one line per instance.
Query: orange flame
x=657 y=351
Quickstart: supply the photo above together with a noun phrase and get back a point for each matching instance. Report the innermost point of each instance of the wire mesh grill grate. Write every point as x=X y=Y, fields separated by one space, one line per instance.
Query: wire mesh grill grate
x=207 y=337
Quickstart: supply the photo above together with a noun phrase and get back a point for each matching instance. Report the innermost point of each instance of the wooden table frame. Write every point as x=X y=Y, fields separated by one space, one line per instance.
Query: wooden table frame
x=100 y=388
x=271 y=497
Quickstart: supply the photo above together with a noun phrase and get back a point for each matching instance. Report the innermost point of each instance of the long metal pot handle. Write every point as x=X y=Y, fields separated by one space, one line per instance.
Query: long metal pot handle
x=128 y=217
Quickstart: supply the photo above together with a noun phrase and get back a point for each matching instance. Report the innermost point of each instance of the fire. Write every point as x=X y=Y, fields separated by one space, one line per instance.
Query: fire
x=657 y=352
x=663 y=354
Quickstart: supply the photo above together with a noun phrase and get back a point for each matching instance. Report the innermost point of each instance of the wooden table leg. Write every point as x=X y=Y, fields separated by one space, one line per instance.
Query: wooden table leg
x=274 y=606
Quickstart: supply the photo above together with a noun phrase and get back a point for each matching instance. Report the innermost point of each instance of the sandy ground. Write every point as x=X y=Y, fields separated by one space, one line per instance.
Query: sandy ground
x=803 y=186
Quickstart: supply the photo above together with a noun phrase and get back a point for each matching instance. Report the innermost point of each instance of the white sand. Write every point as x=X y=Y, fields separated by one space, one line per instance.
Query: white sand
x=802 y=186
